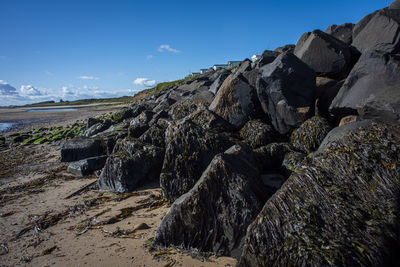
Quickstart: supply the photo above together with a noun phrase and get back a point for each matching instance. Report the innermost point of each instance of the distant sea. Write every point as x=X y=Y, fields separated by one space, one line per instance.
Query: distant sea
x=5 y=125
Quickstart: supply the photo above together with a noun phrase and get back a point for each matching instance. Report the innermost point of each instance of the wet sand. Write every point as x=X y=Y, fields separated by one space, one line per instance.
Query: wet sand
x=26 y=120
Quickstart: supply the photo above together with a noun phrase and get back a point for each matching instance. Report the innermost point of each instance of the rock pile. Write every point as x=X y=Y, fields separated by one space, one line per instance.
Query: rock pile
x=253 y=158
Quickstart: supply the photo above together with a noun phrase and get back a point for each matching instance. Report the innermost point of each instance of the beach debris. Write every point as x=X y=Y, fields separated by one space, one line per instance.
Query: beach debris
x=82 y=190
x=3 y=249
x=3 y=215
x=141 y=226
x=49 y=250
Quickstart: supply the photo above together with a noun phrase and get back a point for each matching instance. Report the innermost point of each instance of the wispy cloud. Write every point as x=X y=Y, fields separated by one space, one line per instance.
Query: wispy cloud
x=144 y=82
x=149 y=56
x=168 y=48
x=88 y=78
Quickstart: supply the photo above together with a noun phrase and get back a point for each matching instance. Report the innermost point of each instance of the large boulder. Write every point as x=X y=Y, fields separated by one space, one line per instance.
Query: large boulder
x=342 y=209
x=342 y=32
x=81 y=148
x=87 y=166
x=325 y=54
x=372 y=88
x=256 y=133
x=189 y=150
x=214 y=214
x=131 y=164
x=285 y=49
x=182 y=109
x=266 y=57
x=236 y=101
x=381 y=32
x=395 y=5
x=310 y=134
x=222 y=75
x=285 y=88
x=155 y=136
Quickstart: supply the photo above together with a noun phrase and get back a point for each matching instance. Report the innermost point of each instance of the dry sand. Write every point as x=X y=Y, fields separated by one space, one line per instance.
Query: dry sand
x=40 y=225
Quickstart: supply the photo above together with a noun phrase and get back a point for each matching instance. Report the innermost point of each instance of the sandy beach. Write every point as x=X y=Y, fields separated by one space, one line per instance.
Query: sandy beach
x=49 y=217
x=24 y=119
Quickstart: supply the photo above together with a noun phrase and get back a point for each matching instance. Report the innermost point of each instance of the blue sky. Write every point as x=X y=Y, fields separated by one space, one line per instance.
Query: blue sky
x=82 y=49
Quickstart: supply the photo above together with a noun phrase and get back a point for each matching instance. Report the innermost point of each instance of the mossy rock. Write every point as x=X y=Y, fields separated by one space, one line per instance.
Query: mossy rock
x=310 y=134
x=41 y=140
x=29 y=141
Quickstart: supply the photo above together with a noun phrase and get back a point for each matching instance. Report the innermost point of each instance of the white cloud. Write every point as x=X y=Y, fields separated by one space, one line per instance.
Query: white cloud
x=144 y=82
x=29 y=90
x=6 y=89
x=168 y=48
x=88 y=78
x=149 y=56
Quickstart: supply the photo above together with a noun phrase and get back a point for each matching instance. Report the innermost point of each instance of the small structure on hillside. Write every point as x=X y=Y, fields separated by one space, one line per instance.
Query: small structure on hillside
x=220 y=66
x=255 y=57
x=203 y=71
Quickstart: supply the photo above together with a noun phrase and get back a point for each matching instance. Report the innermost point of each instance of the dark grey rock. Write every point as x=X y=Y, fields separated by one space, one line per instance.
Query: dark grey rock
x=326 y=91
x=81 y=148
x=372 y=88
x=222 y=75
x=310 y=134
x=236 y=101
x=87 y=166
x=256 y=133
x=131 y=164
x=267 y=57
x=214 y=214
x=340 y=210
x=325 y=54
x=244 y=66
x=122 y=114
x=189 y=150
x=251 y=77
x=208 y=120
x=286 y=48
x=362 y=23
x=342 y=32
x=98 y=128
x=92 y=121
x=155 y=136
x=380 y=33
x=395 y=5
x=284 y=87
x=140 y=124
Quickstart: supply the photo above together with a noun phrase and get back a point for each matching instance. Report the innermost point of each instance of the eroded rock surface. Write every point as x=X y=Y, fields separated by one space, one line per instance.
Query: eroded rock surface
x=342 y=209
x=214 y=214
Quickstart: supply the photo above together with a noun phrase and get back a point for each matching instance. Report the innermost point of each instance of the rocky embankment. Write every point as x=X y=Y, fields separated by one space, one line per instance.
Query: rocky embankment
x=289 y=160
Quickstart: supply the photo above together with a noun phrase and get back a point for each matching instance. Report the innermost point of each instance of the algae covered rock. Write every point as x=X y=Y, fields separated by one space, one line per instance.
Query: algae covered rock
x=310 y=134
x=271 y=156
x=214 y=214
x=189 y=150
x=236 y=101
x=155 y=136
x=257 y=133
x=131 y=164
x=81 y=148
x=341 y=210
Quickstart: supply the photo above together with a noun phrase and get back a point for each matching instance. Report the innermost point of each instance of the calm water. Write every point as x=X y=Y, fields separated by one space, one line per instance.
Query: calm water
x=51 y=109
x=5 y=125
